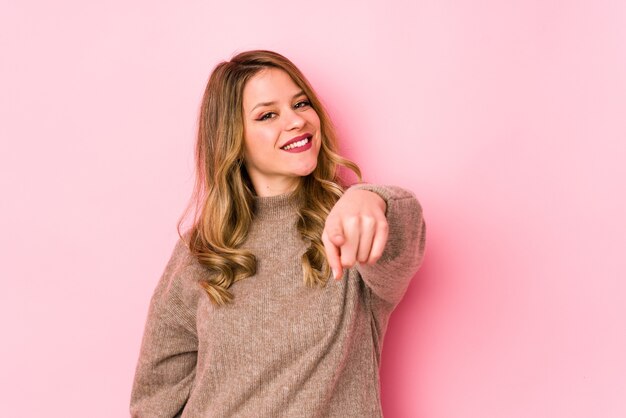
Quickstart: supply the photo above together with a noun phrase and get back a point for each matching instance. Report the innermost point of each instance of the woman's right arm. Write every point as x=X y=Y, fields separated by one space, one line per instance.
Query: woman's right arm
x=167 y=361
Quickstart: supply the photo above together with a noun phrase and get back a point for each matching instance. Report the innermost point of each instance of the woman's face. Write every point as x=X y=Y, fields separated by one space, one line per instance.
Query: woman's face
x=282 y=135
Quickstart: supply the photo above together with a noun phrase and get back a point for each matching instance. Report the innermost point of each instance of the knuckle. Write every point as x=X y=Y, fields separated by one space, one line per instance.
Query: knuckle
x=351 y=220
x=368 y=220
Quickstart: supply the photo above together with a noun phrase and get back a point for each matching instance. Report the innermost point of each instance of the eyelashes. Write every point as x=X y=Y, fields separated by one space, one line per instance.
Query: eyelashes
x=266 y=116
x=302 y=104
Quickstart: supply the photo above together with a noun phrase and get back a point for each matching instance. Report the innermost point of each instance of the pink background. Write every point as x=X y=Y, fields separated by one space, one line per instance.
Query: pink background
x=505 y=117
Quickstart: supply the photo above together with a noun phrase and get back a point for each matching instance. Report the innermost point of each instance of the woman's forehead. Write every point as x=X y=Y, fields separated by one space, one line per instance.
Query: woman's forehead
x=270 y=85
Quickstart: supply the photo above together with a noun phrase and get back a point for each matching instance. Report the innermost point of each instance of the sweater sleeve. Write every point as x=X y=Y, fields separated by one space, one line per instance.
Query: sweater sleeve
x=167 y=360
x=389 y=278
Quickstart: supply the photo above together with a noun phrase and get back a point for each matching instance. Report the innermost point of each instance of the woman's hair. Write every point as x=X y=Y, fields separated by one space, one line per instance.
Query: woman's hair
x=223 y=197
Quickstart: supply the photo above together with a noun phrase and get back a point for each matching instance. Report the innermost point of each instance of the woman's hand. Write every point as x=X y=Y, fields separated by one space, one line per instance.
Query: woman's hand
x=356 y=230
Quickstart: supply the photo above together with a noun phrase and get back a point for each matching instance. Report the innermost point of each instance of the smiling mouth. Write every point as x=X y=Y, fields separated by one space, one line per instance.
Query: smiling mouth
x=297 y=144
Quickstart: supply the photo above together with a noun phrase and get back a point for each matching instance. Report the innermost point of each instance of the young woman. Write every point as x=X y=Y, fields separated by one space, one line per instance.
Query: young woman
x=246 y=320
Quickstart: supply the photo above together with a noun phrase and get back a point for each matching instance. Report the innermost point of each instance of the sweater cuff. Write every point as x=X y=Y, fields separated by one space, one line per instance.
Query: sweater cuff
x=387 y=193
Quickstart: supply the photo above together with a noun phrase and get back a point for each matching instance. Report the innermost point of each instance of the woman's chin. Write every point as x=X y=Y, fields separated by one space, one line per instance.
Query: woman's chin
x=305 y=171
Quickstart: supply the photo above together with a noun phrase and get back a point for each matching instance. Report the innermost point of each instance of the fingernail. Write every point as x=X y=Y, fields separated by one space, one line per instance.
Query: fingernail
x=335 y=274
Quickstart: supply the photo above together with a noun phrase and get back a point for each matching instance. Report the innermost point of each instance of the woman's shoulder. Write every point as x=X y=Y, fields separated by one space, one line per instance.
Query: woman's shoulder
x=179 y=281
x=183 y=260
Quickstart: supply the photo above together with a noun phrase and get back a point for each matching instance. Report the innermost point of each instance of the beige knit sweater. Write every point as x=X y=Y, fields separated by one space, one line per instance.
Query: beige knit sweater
x=281 y=349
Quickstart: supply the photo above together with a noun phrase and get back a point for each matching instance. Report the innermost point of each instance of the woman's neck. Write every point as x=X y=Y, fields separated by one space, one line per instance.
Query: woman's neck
x=277 y=187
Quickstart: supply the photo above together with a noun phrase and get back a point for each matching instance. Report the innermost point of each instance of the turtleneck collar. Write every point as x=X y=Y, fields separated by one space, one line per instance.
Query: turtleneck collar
x=277 y=207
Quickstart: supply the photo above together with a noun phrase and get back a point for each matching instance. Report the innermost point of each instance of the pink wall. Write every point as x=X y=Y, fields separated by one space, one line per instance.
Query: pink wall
x=506 y=118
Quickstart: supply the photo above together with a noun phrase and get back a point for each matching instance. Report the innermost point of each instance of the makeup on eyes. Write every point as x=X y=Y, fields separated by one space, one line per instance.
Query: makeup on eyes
x=298 y=105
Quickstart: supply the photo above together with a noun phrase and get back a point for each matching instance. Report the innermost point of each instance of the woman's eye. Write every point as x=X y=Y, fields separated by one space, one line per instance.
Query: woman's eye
x=267 y=116
x=302 y=103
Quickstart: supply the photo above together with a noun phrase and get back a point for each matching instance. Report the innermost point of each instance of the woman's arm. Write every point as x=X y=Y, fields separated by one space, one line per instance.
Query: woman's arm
x=388 y=221
x=167 y=361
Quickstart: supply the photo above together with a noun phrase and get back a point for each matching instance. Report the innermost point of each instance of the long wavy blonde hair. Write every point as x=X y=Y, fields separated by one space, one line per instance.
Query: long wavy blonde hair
x=223 y=198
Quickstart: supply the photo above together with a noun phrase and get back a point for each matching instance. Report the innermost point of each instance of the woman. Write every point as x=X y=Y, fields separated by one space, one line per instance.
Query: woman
x=245 y=320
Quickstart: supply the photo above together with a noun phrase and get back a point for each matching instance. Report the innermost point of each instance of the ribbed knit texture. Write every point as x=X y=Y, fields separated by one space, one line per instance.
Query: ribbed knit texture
x=281 y=349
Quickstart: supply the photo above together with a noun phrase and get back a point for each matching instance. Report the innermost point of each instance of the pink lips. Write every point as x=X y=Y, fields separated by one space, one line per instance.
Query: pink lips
x=303 y=148
x=296 y=139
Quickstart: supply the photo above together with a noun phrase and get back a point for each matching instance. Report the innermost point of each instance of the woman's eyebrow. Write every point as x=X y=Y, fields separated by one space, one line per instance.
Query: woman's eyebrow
x=300 y=93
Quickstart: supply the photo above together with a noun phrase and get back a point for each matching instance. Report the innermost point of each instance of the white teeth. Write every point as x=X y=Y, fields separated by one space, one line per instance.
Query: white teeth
x=300 y=143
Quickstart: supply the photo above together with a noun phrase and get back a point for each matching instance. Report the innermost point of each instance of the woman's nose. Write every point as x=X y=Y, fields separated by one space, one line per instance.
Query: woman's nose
x=294 y=120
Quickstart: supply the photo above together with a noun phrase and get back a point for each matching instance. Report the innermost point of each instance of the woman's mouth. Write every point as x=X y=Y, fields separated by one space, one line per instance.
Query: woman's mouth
x=298 y=144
